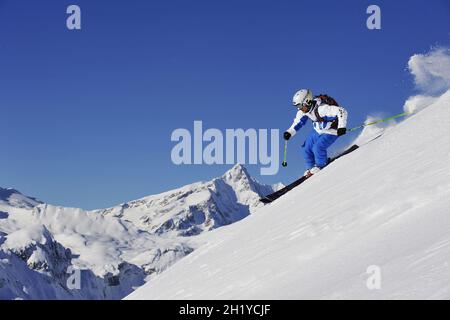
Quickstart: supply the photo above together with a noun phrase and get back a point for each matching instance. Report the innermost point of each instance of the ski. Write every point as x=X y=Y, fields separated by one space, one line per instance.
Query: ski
x=273 y=196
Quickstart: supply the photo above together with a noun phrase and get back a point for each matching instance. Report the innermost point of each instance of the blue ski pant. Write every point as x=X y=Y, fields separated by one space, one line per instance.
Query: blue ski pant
x=315 y=149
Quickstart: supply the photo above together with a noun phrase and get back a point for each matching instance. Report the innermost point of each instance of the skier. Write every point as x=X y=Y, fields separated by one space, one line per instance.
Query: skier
x=329 y=121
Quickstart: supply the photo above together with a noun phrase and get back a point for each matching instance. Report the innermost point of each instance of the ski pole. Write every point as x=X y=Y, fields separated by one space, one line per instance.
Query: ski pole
x=380 y=121
x=284 y=164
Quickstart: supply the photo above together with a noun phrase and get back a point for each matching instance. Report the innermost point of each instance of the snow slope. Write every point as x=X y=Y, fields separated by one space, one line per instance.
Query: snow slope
x=116 y=249
x=385 y=205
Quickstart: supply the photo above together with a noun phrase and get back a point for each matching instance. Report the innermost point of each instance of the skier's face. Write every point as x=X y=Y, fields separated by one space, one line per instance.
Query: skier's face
x=304 y=108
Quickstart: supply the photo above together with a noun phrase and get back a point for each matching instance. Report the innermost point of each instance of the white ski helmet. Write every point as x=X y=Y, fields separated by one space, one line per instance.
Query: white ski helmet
x=302 y=97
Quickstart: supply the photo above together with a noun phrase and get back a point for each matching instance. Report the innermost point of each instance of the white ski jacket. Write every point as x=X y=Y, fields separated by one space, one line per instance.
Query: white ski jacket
x=332 y=118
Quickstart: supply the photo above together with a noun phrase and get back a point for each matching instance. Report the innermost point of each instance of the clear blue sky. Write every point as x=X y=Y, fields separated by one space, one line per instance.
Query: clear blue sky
x=86 y=116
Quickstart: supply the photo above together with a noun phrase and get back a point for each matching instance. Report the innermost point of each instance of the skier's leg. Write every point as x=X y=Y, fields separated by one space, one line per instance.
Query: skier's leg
x=308 y=152
x=320 y=149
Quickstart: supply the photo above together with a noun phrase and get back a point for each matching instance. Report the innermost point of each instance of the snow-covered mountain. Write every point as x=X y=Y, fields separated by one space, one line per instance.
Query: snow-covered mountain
x=116 y=249
x=378 y=215
x=195 y=208
x=14 y=198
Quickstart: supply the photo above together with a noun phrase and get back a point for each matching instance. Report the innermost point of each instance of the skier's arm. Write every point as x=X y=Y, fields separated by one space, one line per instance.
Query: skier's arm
x=299 y=121
x=335 y=111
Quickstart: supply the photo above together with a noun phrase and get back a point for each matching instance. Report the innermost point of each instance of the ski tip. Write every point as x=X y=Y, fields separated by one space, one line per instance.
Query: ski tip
x=265 y=200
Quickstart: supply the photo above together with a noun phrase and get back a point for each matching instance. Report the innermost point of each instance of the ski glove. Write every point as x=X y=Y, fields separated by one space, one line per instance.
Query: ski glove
x=287 y=136
x=341 y=131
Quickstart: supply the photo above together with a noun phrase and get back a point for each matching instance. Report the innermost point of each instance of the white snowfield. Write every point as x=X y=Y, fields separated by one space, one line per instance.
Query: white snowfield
x=385 y=207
